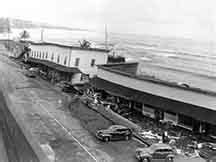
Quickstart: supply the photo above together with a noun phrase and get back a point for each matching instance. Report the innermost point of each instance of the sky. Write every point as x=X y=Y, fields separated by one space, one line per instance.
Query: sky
x=194 y=19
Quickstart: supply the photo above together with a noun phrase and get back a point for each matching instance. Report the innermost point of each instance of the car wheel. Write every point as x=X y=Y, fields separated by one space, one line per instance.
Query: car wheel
x=127 y=138
x=140 y=160
x=145 y=160
x=106 y=139
x=170 y=159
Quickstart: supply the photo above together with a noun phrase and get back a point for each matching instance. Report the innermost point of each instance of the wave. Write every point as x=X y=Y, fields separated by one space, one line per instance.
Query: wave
x=145 y=59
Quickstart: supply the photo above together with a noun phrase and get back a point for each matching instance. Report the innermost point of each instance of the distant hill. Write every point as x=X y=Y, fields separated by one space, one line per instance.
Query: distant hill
x=21 y=24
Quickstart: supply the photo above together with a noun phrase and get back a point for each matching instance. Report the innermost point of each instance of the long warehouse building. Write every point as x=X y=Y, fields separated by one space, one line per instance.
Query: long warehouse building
x=190 y=107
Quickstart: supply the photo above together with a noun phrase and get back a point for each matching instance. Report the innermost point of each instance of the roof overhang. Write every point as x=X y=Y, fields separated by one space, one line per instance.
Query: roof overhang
x=55 y=66
x=194 y=111
x=67 y=46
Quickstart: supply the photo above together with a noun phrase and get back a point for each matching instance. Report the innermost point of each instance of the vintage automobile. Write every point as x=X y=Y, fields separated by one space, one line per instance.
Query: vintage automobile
x=157 y=151
x=111 y=105
x=67 y=87
x=61 y=84
x=114 y=133
x=30 y=74
x=124 y=111
x=183 y=85
x=34 y=69
x=207 y=150
x=70 y=89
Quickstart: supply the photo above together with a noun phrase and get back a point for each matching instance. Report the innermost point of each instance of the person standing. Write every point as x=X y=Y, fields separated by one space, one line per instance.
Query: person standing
x=165 y=137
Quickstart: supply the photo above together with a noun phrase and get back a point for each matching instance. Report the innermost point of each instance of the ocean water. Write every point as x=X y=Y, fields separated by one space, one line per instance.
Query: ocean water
x=177 y=53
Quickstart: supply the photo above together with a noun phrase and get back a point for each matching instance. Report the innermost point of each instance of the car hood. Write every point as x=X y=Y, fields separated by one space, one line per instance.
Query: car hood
x=104 y=131
x=144 y=151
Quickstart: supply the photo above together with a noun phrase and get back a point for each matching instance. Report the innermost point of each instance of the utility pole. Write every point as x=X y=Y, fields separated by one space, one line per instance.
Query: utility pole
x=106 y=37
x=8 y=31
x=42 y=37
x=212 y=31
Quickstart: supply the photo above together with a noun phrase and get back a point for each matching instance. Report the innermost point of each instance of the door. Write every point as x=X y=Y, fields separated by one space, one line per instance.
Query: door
x=161 y=154
x=118 y=134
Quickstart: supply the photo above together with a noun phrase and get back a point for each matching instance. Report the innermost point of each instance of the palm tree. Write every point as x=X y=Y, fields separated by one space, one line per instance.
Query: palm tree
x=24 y=35
x=85 y=44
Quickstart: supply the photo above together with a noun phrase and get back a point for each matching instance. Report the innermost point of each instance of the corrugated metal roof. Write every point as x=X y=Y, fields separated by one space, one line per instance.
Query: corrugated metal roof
x=112 y=68
x=197 y=112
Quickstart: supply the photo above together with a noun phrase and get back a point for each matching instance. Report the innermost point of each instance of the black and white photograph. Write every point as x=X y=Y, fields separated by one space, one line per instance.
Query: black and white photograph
x=108 y=81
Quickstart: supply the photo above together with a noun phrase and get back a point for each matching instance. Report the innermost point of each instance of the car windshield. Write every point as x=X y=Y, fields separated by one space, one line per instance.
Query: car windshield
x=160 y=148
x=115 y=127
x=164 y=150
x=153 y=147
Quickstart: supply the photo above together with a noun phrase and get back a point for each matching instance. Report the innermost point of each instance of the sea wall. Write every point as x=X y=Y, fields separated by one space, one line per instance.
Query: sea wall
x=19 y=143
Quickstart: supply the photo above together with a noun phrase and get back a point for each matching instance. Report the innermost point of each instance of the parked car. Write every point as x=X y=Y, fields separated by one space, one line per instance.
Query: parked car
x=30 y=74
x=68 y=88
x=207 y=150
x=157 y=151
x=80 y=88
x=113 y=106
x=34 y=69
x=114 y=132
x=183 y=85
x=43 y=74
x=61 y=84
x=124 y=111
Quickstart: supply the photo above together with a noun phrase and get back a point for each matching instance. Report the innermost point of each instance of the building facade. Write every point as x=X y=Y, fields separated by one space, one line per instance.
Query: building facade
x=190 y=108
x=75 y=63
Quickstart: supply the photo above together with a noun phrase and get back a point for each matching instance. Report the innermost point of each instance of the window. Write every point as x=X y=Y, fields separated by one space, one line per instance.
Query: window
x=65 y=60
x=92 y=62
x=138 y=105
x=58 y=59
x=40 y=55
x=77 y=61
x=121 y=130
x=43 y=55
x=84 y=77
x=185 y=121
x=163 y=151
x=46 y=55
x=147 y=110
x=52 y=56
